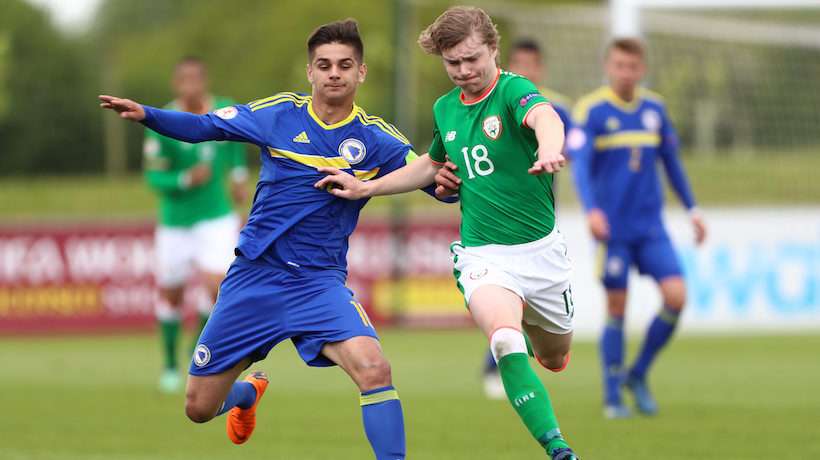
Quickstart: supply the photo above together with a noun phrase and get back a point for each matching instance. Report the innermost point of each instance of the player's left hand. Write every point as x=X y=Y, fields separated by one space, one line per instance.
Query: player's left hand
x=700 y=228
x=341 y=184
x=550 y=164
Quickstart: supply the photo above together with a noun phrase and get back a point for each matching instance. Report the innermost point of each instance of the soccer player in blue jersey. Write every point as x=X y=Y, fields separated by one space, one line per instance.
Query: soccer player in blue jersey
x=288 y=280
x=621 y=132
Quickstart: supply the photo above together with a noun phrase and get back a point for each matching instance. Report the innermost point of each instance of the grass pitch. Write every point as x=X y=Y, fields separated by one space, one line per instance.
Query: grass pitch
x=721 y=398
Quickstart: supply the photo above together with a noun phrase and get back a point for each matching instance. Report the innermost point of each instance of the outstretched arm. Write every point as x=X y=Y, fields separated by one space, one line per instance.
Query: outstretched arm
x=417 y=174
x=182 y=126
x=549 y=130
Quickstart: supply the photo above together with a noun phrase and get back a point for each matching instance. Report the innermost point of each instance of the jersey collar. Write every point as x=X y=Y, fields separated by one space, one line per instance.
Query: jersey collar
x=338 y=124
x=483 y=95
x=611 y=96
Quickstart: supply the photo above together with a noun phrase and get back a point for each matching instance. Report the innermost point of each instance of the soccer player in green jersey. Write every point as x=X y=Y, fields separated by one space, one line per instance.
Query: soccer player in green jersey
x=511 y=263
x=197 y=228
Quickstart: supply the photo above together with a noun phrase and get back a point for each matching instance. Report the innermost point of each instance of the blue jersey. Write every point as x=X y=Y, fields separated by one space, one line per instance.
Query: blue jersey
x=292 y=223
x=615 y=147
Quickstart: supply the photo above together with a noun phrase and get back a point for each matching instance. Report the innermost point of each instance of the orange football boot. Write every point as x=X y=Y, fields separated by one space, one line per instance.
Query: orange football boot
x=241 y=422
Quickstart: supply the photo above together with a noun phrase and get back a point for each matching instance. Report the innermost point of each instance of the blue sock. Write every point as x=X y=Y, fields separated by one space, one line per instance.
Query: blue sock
x=489 y=363
x=612 y=358
x=242 y=394
x=660 y=330
x=384 y=422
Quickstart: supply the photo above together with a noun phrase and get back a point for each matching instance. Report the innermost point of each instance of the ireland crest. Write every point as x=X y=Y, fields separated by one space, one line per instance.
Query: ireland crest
x=492 y=127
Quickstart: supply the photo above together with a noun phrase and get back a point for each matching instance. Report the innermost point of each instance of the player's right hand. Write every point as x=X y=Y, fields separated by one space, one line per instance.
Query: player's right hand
x=447 y=183
x=598 y=224
x=199 y=174
x=126 y=108
x=341 y=184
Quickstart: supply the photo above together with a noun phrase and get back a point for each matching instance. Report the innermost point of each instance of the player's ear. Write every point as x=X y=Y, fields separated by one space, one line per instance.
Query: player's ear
x=309 y=72
x=362 y=72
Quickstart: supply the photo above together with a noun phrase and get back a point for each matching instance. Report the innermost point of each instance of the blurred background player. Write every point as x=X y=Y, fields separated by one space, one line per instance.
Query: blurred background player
x=509 y=142
x=621 y=132
x=526 y=59
x=197 y=228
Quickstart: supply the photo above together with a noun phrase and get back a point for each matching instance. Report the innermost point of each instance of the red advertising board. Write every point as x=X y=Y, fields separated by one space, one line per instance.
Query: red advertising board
x=99 y=277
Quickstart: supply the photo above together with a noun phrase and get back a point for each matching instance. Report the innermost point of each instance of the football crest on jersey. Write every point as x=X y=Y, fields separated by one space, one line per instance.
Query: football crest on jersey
x=226 y=113
x=352 y=150
x=615 y=266
x=612 y=124
x=478 y=274
x=202 y=355
x=651 y=120
x=492 y=127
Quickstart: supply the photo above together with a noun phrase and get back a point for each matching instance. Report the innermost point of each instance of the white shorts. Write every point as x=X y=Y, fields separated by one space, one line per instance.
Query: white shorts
x=539 y=272
x=207 y=246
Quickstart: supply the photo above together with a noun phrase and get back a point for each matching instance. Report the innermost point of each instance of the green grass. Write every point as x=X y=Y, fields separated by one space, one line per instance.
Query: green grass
x=785 y=179
x=722 y=398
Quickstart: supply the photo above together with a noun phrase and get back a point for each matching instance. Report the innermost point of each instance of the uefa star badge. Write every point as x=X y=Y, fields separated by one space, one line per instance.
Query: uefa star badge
x=352 y=150
x=226 y=113
x=202 y=355
x=492 y=127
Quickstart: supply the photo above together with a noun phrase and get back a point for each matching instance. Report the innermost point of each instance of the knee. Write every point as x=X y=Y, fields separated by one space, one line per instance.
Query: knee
x=373 y=373
x=197 y=410
x=675 y=300
x=555 y=362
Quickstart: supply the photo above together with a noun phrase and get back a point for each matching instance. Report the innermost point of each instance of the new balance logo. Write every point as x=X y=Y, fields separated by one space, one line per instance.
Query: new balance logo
x=451 y=136
x=302 y=138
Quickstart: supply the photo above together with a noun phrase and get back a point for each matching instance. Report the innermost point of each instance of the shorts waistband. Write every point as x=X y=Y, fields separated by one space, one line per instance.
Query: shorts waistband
x=516 y=249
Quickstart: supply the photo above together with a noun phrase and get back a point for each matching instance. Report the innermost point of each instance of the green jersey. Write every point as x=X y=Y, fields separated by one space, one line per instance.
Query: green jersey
x=166 y=163
x=486 y=138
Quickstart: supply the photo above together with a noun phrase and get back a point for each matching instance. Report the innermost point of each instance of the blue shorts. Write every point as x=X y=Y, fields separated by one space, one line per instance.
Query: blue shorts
x=653 y=256
x=260 y=305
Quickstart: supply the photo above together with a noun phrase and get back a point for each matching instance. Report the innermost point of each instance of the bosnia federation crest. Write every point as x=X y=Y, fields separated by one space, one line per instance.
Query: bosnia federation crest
x=651 y=120
x=352 y=150
x=492 y=127
x=202 y=355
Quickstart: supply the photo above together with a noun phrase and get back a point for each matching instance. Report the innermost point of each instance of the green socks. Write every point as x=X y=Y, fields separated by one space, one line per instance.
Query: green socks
x=530 y=399
x=169 y=333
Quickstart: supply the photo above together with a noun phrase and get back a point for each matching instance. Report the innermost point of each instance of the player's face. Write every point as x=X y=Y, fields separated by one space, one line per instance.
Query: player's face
x=190 y=82
x=527 y=64
x=624 y=70
x=335 y=73
x=471 y=65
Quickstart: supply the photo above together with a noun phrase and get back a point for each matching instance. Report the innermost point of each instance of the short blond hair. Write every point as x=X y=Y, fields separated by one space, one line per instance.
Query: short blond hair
x=454 y=26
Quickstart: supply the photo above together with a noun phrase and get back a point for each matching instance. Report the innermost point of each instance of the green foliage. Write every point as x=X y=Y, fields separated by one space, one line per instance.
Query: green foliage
x=44 y=124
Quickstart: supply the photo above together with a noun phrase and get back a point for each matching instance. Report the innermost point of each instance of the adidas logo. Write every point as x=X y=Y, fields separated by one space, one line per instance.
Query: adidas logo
x=302 y=138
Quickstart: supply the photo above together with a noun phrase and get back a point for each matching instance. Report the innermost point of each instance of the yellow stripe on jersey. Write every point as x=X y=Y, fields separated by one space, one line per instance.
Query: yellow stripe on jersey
x=380 y=397
x=606 y=94
x=365 y=175
x=298 y=101
x=585 y=104
x=275 y=96
x=600 y=260
x=310 y=160
x=627 y=139
x=338 y=124
x=371 y=120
